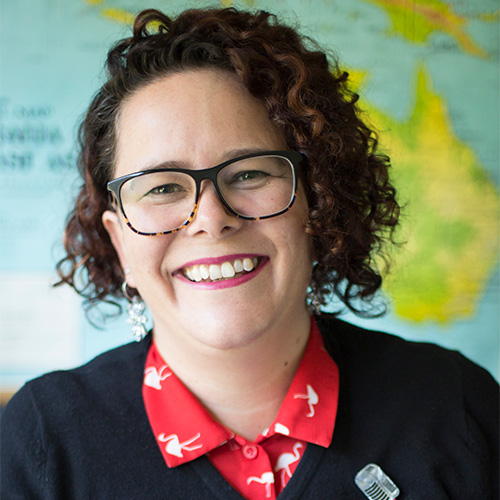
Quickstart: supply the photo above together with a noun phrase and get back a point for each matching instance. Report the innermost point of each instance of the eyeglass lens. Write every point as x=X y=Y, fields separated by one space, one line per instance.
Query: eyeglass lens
x=254 y=187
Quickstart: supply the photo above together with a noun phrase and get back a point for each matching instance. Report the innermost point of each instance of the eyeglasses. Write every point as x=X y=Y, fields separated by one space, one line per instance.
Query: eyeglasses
x=252 y=187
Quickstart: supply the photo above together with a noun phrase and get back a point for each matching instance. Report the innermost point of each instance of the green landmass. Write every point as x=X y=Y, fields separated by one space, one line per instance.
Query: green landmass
x=450 y=219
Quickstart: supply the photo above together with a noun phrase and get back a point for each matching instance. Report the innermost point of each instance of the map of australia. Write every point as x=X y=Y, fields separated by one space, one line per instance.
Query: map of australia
x=449 y=230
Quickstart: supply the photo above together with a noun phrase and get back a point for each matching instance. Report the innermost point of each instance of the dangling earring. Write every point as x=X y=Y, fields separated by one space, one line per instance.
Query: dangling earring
x=313 y=302
x=136 y=316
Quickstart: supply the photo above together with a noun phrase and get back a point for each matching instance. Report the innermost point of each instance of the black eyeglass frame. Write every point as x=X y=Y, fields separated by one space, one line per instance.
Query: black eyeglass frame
x=294 y=157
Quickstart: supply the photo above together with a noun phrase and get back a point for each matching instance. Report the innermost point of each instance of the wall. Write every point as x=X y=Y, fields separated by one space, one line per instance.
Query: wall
x=428 y=77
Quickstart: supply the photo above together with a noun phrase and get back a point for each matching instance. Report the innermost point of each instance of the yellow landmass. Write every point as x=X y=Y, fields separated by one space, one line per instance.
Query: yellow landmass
x=121 y=16
x=416 y=20
x=490 y=17
x=450 y=220
x=231 y=3
x=118 y=15
x=356 y=79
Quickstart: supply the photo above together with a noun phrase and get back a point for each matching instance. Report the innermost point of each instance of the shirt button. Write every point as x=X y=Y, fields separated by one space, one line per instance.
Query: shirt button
x=250 y=451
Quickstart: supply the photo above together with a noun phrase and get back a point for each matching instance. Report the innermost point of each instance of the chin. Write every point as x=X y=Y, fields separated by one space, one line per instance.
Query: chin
x=221 y=332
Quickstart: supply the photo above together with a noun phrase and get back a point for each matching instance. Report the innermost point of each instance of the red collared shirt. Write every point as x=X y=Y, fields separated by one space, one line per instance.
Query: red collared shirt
x=260 y=469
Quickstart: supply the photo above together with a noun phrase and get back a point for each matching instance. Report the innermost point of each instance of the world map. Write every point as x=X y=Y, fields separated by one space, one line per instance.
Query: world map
x=427 y=73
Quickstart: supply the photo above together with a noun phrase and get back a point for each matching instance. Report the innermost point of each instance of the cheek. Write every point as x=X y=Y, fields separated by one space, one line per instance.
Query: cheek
x=299 y=225
x=296 y=243
x=303 y=252
x=303 y=242
x=147 y=254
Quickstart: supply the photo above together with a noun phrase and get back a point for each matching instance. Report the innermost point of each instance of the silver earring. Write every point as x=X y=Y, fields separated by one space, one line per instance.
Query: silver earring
x=313 y=303
x=136 y=316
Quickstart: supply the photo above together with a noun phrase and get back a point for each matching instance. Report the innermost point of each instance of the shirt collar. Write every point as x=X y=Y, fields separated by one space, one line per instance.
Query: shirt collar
x=184 y=429
x=310 y=406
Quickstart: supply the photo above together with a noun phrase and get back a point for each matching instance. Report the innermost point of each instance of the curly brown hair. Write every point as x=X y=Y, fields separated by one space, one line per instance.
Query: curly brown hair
x=352 y=205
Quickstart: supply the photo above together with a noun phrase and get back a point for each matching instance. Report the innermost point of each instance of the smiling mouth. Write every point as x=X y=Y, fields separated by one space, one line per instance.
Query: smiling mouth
x=207 y=273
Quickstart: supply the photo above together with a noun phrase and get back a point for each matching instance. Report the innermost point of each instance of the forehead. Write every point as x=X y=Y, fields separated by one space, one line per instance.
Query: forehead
x=194 y=117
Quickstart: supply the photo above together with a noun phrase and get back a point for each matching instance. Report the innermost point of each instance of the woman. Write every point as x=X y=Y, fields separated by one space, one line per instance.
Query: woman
x=230 y=184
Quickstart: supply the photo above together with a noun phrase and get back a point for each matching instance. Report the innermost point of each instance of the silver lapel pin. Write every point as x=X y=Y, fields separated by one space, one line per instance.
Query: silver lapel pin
x=375 y=484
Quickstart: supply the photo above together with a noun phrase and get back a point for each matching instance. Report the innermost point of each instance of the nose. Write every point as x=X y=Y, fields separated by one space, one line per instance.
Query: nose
x=211 y=216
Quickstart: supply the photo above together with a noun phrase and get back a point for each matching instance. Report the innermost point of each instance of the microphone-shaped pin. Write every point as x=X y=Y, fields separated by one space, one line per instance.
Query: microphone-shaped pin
x=375 y=484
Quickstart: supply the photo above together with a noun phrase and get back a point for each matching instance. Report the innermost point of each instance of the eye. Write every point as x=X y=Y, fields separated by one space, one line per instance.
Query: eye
x=249 y=175
x=165 y=189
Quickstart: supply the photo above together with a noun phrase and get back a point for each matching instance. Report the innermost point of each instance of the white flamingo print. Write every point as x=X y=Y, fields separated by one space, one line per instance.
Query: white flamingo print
x=284 y=462
x=153 y=378
x=267 y=478
x=282 y=429
x=174 y=447
x=312 y=399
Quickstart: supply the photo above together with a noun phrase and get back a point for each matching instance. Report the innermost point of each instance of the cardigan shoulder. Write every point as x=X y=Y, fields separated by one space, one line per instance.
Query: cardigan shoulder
x=403 y=404
x=399 y=364
x=63 y=417
x=411 y=373
x=387 y=354
x=108 y=380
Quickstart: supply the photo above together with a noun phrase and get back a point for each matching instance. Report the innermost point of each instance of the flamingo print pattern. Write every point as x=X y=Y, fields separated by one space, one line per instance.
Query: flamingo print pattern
x=312 y=399
x=153 y=377
x=285 y=460
x=281 y=429
x=188 y=434
x=174 y=447
x=267 y=479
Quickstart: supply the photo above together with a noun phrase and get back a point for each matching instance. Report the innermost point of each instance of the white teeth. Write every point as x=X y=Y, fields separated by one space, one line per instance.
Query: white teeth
x=247 y=264
x=217 y=272
x=204 y=272
x=227 y=270
x=196 y=273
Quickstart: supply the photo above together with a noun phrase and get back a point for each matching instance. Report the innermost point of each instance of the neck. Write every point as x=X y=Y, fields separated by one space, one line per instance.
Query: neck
x=243 y=388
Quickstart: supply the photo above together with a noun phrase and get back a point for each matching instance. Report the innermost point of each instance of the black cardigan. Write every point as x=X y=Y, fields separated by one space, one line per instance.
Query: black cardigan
x=428 y=417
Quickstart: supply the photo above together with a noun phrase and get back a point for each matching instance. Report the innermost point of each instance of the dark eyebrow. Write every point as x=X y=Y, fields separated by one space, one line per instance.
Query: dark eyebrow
x=228 y=155
x=172 y=164
x=235 y=153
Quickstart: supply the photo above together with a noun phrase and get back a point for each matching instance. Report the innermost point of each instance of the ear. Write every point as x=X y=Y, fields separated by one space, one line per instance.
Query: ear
x=115 y=228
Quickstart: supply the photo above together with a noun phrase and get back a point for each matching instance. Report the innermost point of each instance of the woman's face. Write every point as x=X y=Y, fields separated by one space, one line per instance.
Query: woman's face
x=199 y=119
